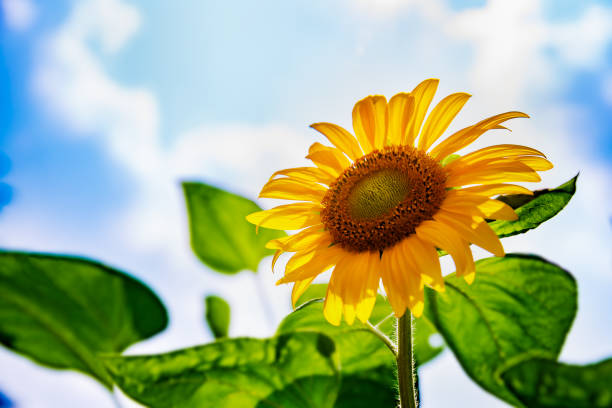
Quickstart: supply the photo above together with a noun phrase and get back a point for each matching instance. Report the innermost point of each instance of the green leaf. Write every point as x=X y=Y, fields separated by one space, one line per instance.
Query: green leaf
x=293 y=370
x=517 y=304
x=533 y=210
x=314 y=291
x=424 y=329
x=61 y=311
x=217 y=316
x=367 y=364
x=543 y=383
x=424 y=351
x=220 y=234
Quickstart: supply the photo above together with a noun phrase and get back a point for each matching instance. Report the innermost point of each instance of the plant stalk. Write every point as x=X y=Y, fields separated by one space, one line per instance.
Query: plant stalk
x=405 y=362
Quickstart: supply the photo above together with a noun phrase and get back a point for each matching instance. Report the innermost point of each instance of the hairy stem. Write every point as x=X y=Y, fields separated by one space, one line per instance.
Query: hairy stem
x=405 y=362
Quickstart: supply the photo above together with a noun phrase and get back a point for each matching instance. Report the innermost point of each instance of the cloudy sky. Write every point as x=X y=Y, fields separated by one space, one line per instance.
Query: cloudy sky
x=106 y=105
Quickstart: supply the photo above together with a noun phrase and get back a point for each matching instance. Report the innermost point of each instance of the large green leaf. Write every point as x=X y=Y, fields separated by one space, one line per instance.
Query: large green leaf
x=383 y=318
x=533 y=210
x=518 y=304
x=61 y=311
x=367 y=364
x=220 y=234
x=217 y=315
x=298 y=370
x=543 y=383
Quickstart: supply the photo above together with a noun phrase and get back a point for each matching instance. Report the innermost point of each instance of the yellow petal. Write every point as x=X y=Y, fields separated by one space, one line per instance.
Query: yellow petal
x=496 y=189
x=304 y=265
x=426 y=259
x=495 y=152
x=497 y=210
x=353 y=286
x=332 y=308
x=298 y=290
x=401 y=111
x=402 y=281
x=309 y=174
x=328 y=158
x=305 y=240
x=277 y=254
x=423 y=95
x=491 y=173
x=340 y=138
x=461 y=202
x=370 y=119
x=477 y=233
x=287 y=217
x=407 y=265
x=293 y=190
x=393 y=282
x=468 y=135
x=440 y=118
x=446 y=238
x=536 y=163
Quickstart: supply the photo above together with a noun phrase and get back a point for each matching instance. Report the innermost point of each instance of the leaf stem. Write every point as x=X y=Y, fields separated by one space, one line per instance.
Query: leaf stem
x=382 y=336
x=405 y=362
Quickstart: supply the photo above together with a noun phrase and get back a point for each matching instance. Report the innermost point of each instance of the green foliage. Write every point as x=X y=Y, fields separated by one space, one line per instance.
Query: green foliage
x=382 y=317
x=518 y=304
x=292 y=370
x=61 y=311
x=217 y=315
x=543 y=383
x=220 y=234
x=367 y=364
x=533 y=210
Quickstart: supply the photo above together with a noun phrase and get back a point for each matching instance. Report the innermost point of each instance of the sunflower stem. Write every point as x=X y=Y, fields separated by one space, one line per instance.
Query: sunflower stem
x=405 y=362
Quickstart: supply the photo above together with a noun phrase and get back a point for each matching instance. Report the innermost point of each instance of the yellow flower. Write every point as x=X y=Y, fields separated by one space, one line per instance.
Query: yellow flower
x=377 y=205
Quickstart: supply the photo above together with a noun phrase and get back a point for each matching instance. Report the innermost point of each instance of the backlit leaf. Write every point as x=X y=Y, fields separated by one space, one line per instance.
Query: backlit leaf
x=543 y=383
x=533 y=210
x=367 y=364
x=382 y=316
x=62 y=311
x=298 y=370
x=220 y=234
x=217 y=315
x=517 y=304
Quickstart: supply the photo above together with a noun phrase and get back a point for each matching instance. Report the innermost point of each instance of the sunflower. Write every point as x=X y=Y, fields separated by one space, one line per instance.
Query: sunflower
x=377 y=205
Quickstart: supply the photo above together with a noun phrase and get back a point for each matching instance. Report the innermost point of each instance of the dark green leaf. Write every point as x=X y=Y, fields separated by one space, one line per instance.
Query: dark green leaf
x=517 y=304
x=294 y=370
x=543 y=383
x=367 y=364
x=424 y=329
x=217 y=316
x=533 y=210
x=220 y=234
x=61 y=311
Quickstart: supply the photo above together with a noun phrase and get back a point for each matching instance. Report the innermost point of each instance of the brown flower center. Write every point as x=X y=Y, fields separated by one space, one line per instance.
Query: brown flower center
x=382 y=198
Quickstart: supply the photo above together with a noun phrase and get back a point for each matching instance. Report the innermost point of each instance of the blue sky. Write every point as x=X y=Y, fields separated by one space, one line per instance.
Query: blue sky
x=107 y=104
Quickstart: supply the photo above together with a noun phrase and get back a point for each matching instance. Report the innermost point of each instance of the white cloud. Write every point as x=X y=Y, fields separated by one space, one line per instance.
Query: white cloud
x=19 y=15
x=75 y=86
x=583 y=42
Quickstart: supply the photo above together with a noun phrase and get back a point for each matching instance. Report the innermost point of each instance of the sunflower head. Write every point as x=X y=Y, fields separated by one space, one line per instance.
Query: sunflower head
x=375 y=205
